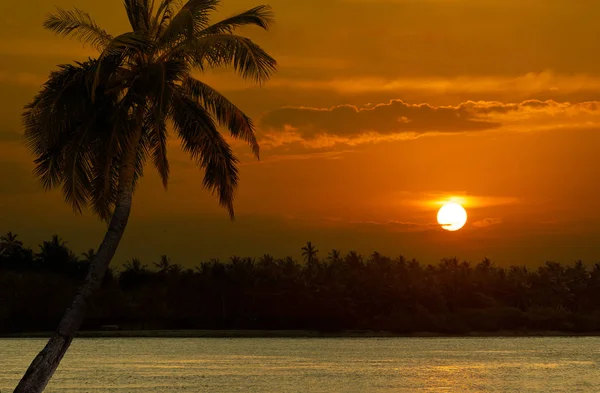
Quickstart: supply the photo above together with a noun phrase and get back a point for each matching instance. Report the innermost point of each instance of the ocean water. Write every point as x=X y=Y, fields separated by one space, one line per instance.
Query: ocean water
x=327 y=365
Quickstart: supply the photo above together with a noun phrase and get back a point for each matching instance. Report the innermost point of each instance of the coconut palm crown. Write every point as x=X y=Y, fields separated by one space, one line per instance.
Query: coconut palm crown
x=91 y=116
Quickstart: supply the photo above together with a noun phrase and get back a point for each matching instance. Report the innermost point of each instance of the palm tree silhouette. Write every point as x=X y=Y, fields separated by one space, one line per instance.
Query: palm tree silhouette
x=55 y=252
x=89 y=255
x=9 y=244
x=135 y=266
x=94 y=124
x=267 y=259
x=334 y=255
x=309 y=252
x=164 y=264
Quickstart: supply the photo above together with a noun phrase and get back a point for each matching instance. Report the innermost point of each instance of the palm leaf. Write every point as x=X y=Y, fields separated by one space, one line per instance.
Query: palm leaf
x=218 y=50
x=192 y=18
x=77 y=175
x=142 y=152
x=163 y=16
x=156 y=128
x=80 y=25
x=228 y=115
x=45 y=118
x=70 y=134
x=54 y=119
x=201 y=139
x=105 y=177
x=48 y=168
x=261 y=16
x=138 y=13
x=158 y=150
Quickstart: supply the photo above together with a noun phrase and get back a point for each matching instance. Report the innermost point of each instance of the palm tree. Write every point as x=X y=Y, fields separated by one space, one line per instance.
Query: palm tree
x=55 y=253
x=334 y=255
x=9 y=244
x=267 y=259
x=89 y=255
x=376 y=257
x=309 y=252
x=135 y=266
x=164 y=264
x=95 y=123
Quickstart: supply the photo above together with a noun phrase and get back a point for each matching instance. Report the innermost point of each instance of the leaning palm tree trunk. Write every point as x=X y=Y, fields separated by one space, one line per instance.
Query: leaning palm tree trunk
x=45 y=363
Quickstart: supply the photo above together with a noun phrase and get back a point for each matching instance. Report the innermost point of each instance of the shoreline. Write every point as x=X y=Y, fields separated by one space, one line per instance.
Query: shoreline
x=295 y=334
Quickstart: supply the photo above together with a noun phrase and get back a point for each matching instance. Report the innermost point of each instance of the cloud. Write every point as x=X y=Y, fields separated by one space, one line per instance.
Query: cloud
x=436 y=200
x=393 y=117
x=487 y=222
x=325 y=155
x=396 y=120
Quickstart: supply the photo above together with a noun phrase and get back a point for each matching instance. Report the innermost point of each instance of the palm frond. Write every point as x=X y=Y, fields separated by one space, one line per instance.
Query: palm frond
x=158 y=135
x=191 y=19
x=142 y=153
x=48 y=168
x=160 y=80
x=228 y=115
x=163 y=16
x=160 y=89
x=70 y=136
x=76 y=182
x=248 y=59
x=78 y=24
x=105 y=177
x=127 y=44
x=138 y=13
x=261 y=16
x=201 y=139
x=54 y=117
x=45 y=118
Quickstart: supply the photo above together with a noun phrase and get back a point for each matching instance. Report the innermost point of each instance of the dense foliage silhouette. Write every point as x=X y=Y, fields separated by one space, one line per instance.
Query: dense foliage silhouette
x=329 y=294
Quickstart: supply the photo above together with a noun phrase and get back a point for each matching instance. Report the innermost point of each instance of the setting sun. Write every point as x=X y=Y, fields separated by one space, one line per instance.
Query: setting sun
x=452 y=216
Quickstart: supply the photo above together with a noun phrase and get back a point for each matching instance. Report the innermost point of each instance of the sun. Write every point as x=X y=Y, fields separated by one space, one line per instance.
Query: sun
x=452 y=216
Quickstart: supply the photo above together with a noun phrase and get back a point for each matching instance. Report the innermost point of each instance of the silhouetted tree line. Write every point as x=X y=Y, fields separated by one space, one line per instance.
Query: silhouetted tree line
x=336 y=292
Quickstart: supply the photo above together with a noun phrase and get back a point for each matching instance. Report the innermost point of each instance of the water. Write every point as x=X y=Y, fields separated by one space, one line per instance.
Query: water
x=372 y=365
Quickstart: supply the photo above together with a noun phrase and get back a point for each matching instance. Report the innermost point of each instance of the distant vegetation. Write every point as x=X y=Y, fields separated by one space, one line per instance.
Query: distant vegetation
x=327 y=292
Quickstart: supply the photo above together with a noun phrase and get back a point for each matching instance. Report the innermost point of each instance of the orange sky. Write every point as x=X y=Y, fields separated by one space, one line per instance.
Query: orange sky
x=380 y=108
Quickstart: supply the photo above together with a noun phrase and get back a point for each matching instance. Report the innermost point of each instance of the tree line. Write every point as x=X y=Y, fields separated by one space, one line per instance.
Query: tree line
x=330 y=292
